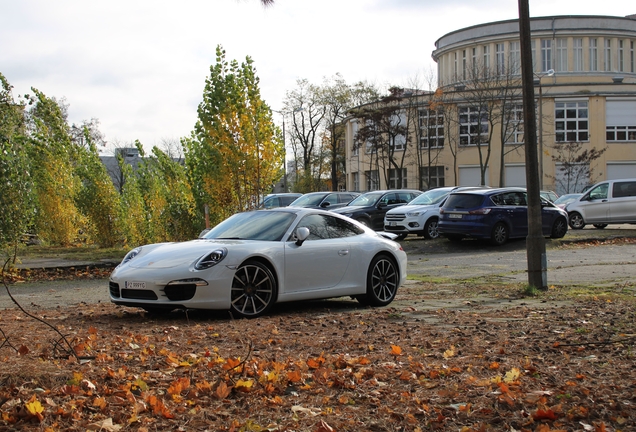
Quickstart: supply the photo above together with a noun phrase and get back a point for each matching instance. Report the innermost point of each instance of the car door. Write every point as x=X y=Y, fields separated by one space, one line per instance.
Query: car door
x=623 y=202
x=597 y=204
x=321 y=261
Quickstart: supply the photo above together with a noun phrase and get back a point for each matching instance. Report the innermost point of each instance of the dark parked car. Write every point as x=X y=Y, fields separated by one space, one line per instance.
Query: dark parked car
x=370 y=207
x=497 y=215
x=278 y=200
x=324 y=200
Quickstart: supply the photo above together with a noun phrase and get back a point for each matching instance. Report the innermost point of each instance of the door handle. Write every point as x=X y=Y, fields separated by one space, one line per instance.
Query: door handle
x=343 y=252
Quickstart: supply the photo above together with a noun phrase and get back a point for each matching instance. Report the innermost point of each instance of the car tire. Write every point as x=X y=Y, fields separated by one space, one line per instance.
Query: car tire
x=559 y=228
x=576 y=221
x=430 y=229
x=383 y=278
x=600 y=226
x=499 y=234
x=254 y=290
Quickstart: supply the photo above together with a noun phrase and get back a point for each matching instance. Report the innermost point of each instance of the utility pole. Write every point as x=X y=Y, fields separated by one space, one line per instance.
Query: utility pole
x=535 y=243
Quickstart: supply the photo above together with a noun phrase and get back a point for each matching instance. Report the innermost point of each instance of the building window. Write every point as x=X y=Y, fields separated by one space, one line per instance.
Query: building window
x=399 y=125
x=373 y=179
x=593 y=55
x=561 y=55
x=514 y=58
x=578 y=55
x=354 y=133
x=620 y=119
x=621 y=57
x=431 y=129
x=486 y=59
x=631 y=56
x=607 y=56
x=473 y=126
x=464 y=65
x=514 y=127
x=436 y=175
x=546 y=55
x=455 y=65
x=571 y=121
x=500 y=59
x=394 y=178
x=356 y=181
x=474 y=63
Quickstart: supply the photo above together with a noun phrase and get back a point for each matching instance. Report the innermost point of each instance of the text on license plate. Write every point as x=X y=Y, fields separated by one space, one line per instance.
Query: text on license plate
x=455 y=216
x=135 y=285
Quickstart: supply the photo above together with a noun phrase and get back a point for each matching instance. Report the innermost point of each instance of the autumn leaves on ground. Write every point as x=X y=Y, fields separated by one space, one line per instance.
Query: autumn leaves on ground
x=323 y=366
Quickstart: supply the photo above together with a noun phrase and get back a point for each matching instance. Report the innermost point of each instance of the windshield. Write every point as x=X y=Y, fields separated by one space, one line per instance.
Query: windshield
x=433 y=196
x=308 y=200
x=367 y=199
x=257 y=225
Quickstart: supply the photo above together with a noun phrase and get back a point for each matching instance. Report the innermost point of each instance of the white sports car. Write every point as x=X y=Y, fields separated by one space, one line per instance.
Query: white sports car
x=255 y=259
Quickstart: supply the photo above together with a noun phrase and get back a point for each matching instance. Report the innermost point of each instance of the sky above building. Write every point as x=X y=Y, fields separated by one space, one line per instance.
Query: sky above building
x=139 y=66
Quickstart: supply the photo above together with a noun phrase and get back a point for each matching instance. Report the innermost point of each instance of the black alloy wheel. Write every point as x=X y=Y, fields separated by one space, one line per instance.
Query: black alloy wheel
x=383 y=279
x=499 y=235
x=253 y=291
x=559 y=228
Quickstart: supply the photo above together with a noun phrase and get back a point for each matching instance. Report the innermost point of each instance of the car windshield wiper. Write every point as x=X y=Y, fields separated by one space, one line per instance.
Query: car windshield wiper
x=227 y=238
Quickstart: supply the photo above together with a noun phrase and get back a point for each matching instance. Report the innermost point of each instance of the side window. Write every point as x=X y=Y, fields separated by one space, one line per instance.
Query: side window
x=624 y=189
x=389 y=199
x=323 y=227
x=404 y=197
x=497 y=199
x=599 y=192
x=345 y=198
x=316 y=226
x=331 y=199
x=339 y=228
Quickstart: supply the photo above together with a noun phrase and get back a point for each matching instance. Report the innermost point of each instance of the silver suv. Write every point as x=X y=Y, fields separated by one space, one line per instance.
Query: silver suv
x=419 y=216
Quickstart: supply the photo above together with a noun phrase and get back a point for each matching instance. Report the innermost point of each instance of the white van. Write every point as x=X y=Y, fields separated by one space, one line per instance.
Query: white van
x=607 y=202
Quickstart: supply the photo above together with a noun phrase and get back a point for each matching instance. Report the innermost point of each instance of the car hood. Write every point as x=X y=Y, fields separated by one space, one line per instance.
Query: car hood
x=411 y=208
x=169 y=255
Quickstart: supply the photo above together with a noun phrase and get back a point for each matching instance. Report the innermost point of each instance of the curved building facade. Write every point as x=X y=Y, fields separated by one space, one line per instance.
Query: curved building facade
x=585 y=93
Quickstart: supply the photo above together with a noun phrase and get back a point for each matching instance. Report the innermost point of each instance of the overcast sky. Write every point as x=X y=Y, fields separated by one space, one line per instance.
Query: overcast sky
x=139 y=66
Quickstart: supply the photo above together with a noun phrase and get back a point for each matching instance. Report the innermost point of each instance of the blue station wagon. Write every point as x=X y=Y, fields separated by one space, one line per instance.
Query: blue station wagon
x=496 y=215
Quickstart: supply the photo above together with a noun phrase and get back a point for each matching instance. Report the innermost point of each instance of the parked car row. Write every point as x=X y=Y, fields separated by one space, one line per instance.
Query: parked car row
x=479 y=212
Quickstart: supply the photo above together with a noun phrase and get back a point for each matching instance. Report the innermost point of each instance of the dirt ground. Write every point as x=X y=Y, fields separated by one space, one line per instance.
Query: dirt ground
x=469 y=354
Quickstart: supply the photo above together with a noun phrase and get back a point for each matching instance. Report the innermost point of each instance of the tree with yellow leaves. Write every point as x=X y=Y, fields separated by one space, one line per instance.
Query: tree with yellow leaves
x=235 y=152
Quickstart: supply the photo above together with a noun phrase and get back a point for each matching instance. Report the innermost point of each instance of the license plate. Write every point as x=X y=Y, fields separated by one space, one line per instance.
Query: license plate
x=135 y=285
x=392 y=223
x=454 y=216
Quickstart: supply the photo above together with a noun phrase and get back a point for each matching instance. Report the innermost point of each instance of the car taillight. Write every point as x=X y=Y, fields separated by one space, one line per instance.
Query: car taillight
x=481 y=211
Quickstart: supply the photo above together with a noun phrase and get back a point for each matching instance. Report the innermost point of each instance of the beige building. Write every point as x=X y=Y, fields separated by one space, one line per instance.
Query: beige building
x=470 y=131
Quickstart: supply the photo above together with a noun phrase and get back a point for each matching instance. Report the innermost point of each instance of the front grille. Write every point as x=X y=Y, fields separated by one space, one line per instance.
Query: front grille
x=397 y=217
x=113 y=287
x=138 y=294
x=180 y=292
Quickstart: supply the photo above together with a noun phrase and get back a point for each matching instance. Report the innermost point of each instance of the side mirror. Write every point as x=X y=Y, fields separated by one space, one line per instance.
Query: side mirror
x=301 y=235
x=325 y=204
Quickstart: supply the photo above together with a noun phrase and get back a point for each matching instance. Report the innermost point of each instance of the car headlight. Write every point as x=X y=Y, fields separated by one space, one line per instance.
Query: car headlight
x=211 y=259
x=130 y=255
x=415 y=213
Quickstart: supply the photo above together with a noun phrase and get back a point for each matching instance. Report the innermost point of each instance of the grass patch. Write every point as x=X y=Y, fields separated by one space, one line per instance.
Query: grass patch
x=78 y=253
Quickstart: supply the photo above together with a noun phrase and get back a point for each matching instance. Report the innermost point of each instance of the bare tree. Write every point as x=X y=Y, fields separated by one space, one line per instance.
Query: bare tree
x=575 y=168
